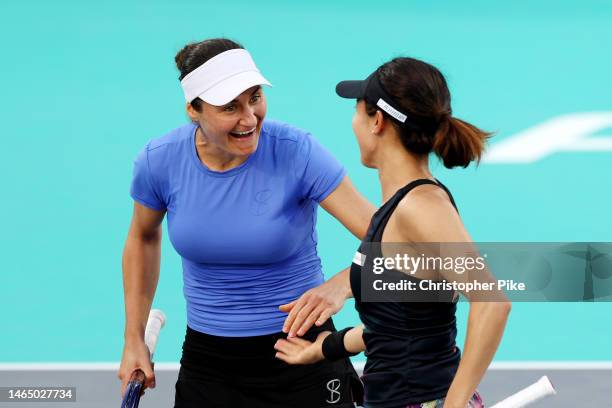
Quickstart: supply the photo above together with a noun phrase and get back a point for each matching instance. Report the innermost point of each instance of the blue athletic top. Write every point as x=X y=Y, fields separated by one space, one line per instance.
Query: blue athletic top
x=246 y=236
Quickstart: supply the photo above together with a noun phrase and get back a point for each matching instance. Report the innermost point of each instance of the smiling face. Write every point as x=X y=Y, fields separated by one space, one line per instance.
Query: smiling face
x=232 y=130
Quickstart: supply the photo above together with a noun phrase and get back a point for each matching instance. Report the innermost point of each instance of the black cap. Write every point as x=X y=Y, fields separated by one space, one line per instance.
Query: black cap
x=372 y=91
x=353 y=89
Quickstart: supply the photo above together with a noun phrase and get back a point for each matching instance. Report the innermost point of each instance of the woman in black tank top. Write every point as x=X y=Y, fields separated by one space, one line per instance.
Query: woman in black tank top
x=403 y=114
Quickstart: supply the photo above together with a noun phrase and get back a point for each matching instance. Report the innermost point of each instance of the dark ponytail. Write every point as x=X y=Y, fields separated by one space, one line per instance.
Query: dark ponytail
x=421 y=91
x=195 y=54
x=458 y=143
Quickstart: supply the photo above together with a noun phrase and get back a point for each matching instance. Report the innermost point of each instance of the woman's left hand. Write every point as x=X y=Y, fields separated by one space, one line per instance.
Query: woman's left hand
x=317 y=305
x=294 y=350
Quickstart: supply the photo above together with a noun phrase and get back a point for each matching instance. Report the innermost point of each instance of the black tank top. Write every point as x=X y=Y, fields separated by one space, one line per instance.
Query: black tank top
x=410 y=346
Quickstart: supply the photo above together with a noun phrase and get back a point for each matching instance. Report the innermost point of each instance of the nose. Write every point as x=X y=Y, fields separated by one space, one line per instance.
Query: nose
x=248 y=118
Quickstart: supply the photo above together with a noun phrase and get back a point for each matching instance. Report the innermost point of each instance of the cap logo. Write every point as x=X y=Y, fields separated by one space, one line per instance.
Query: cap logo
x=391 y=110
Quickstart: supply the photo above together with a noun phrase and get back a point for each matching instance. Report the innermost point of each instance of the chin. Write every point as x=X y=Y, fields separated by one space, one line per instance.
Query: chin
x=245 y=152
x=367 y=162
x=369 y=165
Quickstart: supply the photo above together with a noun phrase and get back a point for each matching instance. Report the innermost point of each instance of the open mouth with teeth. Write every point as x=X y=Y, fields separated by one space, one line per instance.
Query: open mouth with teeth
x=243 y=135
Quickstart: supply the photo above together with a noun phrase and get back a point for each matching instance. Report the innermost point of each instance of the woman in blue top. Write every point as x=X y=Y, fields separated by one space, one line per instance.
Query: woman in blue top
x=403 y=114
x=241 y=194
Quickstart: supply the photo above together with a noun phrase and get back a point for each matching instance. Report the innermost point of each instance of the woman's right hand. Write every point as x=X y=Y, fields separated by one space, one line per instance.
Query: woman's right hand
x=136 y=356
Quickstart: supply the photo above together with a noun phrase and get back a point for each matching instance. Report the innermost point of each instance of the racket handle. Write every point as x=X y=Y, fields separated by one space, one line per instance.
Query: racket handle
x=156 y=321
x=135 y=385
x=542 y=388
x=131 y=399
x=138 y=376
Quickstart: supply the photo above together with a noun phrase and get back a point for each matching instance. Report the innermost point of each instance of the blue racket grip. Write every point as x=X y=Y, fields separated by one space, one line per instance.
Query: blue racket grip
x=133 y=390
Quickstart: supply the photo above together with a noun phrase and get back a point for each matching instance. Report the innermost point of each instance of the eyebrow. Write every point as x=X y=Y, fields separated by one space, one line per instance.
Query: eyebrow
x=252 y=93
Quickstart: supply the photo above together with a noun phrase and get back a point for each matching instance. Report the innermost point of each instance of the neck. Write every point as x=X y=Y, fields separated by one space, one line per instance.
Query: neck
x=213 y=157
x=398 y=167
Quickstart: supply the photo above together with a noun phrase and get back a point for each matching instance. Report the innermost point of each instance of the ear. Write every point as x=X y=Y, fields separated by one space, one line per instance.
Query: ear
x=193 y=114
x=379 y=123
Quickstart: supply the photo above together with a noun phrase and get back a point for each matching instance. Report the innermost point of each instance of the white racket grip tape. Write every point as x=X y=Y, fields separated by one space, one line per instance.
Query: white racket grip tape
x=157 y=320
x=536 y=391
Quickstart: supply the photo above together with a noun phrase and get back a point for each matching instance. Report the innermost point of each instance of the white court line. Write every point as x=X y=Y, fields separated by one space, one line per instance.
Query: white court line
x=500 y=365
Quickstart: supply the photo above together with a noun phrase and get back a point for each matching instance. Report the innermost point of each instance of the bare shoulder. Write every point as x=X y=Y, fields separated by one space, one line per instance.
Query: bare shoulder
x=426 y=214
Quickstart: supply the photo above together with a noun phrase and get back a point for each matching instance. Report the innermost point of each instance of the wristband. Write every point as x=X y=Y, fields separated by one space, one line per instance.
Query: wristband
x=333 y=346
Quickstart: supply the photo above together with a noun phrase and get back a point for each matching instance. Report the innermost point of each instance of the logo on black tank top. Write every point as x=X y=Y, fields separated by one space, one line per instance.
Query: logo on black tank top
x=333 y=386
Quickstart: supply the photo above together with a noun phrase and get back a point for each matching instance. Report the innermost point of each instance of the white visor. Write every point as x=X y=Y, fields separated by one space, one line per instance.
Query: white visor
x=222 y=78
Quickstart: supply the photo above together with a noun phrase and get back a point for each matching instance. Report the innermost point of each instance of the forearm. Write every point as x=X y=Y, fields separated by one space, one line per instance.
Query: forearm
x=349 y=207
x=141 y=263
x=353 y=340
x=341 y=344
x=343 y=280
x=486 y=324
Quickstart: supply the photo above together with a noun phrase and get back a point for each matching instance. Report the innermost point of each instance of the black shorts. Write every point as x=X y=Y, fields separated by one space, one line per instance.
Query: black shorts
x=242 y=372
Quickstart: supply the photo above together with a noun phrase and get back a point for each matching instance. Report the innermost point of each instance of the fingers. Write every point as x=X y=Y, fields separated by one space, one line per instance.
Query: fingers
x=316 y=316
x=300 y=343
x=138 y=377
x=300 y=317
x=291 y=345
x=149 y=377
x=284 y=346
x=136 y=365
x=315 y=306
x=125 y=378
x=284 y=357
x=323 y=317
x=124 y=384
x=285 y=351
x=287 y=307
x=144 y=374
x=290 y=351
x=296 y=308
x=291 y=309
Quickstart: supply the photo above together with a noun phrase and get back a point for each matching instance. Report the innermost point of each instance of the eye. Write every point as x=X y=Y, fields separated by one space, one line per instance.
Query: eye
x=255 y=98
x=229 y=108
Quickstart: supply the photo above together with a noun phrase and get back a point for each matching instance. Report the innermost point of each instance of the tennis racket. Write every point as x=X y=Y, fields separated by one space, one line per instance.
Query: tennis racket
x=527 y=396
x=156 y=321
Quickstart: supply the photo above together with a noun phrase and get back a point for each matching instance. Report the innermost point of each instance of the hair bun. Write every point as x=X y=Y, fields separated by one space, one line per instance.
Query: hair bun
x=181 y=56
